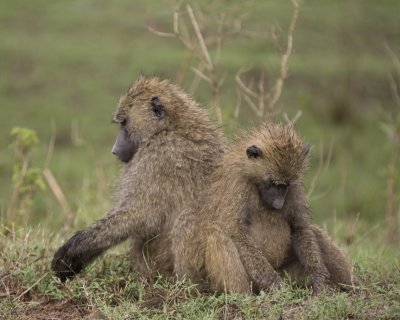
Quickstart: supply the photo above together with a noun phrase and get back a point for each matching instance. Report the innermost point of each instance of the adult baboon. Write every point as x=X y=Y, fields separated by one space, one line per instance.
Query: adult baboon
x=169 y=148
x=252 y=222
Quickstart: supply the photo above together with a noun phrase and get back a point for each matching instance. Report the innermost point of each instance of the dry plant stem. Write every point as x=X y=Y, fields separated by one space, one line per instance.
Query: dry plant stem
x=200 y=39
x=261 y=95
x=219 y=38
x=393 y=57
x=59 y=194
x=238 y=104
x=322 y=167
x=196 y=79
x=294 y=119
x=208 y=65
x=276 y=91
x=31 y=287
x=184 y=67
x=393 y=223
x=273 y=96
x=390 y=218
x=242 y=86
x=50 y=148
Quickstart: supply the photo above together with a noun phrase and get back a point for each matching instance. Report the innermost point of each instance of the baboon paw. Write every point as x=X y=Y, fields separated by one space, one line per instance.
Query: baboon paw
x=270 y=281
x=65 y=267
x=318 y=286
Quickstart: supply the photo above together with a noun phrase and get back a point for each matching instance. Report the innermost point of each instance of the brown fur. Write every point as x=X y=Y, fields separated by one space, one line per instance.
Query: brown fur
x=174 y=158
x=233 y=242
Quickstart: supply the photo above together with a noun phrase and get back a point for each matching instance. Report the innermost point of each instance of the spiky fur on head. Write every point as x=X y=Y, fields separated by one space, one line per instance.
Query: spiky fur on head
x=182 y=113
x=284 y=156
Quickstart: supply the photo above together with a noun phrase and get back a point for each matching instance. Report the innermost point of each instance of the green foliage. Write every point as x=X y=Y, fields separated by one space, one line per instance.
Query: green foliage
x=24 y=140
x=26 y=180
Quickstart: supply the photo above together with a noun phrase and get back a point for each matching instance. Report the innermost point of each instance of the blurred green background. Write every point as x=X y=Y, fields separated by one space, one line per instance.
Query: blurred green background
x=64 y=64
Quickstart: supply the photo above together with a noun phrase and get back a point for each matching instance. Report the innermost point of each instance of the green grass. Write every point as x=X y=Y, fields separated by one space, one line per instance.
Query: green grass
x=107 y=287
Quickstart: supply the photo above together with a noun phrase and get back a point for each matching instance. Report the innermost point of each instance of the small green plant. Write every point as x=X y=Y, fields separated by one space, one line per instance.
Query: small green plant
x=26 y=180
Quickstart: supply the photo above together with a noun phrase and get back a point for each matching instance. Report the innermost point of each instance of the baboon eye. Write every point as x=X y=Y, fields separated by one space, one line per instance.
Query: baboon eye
x=306 y=148
x=253 y=152
x=157 y=107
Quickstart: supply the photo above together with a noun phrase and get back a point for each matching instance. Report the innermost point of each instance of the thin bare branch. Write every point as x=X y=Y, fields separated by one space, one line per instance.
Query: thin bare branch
x=295 y=118
x=160 y=33
x=251 y=104
x=50 y=148
x=242 y=86
x=395 y=59
x=199 y=36
x=261 y=95
x=219 y=37
x=277 y=88
x=176 y=18
x=322 y=166
x=201 y=75
x=59 y=194
x=30 y=288
x=238 y=104
x=196 y=79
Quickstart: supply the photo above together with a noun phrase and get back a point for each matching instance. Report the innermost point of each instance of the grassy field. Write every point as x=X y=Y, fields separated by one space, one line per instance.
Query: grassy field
x=107 y=290
x=63 y=66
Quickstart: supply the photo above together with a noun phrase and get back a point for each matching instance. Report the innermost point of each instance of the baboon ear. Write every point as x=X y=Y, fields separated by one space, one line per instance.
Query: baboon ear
x=253 y=152
x=306 y=148
x=157 y=107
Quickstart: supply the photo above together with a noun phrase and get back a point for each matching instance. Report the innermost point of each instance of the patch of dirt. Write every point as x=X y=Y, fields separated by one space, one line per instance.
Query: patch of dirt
x=65 y=310
x=32 y=305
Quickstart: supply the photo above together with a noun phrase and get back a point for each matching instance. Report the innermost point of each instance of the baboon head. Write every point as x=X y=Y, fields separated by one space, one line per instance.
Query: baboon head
x=274 y=158
x=150 y=107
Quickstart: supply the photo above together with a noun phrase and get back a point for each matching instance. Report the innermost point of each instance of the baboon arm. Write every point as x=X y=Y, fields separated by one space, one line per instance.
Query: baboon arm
x=308 y=252
x=304 y=241
x=255 y=263
x=85 y=246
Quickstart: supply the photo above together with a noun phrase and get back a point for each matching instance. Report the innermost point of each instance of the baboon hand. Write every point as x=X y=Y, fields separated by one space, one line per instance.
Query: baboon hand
x=64 y=264
x=319 y=282
x=269 y=281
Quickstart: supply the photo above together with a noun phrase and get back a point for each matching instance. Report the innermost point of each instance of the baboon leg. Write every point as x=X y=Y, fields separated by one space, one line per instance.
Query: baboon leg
x=85 y=246
x=158 y=250
x=139 y=256
x=188 y=253
x=338 y=266
x=223 y=264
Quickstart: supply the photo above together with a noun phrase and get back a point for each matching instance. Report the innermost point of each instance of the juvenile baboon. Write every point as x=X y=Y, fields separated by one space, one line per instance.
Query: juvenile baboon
x=169 y=148
x=252 y=222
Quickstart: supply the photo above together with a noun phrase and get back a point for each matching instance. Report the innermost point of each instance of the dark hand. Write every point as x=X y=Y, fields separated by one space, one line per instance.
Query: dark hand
x=269 y=281
x=319 y=282
x=65 y=264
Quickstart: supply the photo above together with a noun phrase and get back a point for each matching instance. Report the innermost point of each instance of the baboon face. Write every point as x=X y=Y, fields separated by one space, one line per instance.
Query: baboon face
x=272 y=192
x=142 y=113
x=128 y=140
x=271 y=173
x=124 y=148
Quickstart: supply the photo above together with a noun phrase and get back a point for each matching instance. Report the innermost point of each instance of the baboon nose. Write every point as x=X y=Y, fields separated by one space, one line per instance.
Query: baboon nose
x=278 y=203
